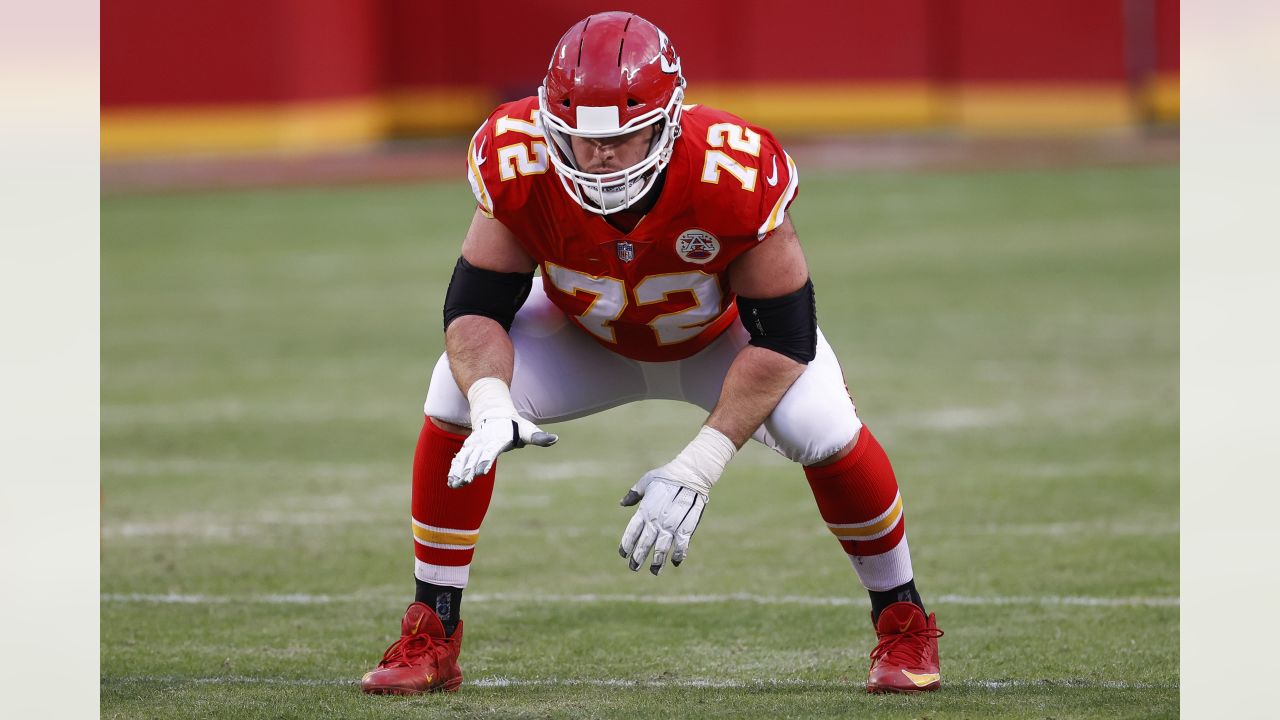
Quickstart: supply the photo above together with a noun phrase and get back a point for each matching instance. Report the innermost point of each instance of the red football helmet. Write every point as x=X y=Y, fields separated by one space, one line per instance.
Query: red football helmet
x=613 y=73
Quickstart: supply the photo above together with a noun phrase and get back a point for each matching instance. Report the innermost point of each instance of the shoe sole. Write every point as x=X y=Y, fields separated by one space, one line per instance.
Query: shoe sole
x=451 y=686
x=886 y=690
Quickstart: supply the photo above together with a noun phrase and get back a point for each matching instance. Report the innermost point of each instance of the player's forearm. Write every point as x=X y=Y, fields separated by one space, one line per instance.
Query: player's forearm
x=756 y=382
x=478 y=347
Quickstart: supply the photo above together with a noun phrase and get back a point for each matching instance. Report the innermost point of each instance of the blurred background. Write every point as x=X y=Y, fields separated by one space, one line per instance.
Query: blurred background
x=319 y=84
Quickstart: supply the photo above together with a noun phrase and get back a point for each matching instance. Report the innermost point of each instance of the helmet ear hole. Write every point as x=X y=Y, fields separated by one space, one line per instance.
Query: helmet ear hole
x=632 y=102
x=565 y=102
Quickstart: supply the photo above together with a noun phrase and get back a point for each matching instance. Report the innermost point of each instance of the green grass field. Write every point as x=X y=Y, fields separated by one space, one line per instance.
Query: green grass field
x=1012 y=338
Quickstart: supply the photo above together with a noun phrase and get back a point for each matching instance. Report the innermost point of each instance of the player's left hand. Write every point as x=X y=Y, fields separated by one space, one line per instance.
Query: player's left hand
x=668 y=514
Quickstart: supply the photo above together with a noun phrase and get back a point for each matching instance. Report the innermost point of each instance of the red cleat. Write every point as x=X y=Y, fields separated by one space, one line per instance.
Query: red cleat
x=423 y=660
x=906 y=658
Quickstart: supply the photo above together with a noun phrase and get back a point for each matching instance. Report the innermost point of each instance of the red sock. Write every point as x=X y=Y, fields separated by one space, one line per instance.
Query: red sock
x=446 y=521
x=859 y=500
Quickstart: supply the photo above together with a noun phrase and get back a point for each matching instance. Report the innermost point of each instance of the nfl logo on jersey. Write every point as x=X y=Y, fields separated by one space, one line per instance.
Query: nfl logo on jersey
x=626 y=251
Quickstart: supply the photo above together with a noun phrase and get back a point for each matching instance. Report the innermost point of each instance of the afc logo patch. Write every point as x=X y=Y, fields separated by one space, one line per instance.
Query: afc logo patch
x=697 y=246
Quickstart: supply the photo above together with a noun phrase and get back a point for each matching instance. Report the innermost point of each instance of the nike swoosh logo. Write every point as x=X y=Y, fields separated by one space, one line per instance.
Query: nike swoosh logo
x=773 y=179
x=481 y=158
x=905 y=626
x=922 y=680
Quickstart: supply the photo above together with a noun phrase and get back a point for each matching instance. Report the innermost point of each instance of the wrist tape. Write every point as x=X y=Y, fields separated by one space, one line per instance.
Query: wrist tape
x=489 y=397
x=703 y=460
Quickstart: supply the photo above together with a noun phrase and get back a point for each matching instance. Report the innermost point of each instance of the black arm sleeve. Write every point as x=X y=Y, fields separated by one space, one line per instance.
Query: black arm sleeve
x=787 y=325
x=476 y=291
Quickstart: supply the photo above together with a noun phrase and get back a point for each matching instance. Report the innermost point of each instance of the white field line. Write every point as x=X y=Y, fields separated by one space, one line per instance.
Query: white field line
x=958 y=418
x=688 y=683
x=262 y=469
x=593 y=598
x=227 y=526
x=233 y=410
x=229 y=411
x=501 y=682
x=1064 y=529
x=204 y=526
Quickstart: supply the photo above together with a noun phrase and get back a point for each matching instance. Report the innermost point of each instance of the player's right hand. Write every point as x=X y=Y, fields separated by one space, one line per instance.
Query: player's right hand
x=495 y=429
x=489 y=438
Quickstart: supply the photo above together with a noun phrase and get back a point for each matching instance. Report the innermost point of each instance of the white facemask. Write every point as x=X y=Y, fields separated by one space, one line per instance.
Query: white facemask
x=607 y=193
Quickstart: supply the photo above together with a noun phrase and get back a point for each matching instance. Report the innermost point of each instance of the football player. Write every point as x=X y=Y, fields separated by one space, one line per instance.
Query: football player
x=668 y=268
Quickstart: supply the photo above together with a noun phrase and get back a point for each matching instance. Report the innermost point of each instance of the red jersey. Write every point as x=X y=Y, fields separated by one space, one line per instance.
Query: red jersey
x=661 y=291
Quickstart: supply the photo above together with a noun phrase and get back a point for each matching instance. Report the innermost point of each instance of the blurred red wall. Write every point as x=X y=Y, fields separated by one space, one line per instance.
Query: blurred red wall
x=316 y=71
x=239 y=51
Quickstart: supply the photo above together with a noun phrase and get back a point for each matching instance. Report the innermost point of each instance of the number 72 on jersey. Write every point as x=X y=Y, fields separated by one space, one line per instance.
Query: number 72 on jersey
x=610 y=301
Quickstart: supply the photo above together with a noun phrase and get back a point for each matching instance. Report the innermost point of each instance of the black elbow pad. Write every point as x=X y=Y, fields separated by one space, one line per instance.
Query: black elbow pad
x=476 y=291
x=787 y=325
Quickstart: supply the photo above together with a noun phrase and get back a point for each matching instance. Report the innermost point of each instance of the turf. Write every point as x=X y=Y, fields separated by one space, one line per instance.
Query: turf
x=1012 y=338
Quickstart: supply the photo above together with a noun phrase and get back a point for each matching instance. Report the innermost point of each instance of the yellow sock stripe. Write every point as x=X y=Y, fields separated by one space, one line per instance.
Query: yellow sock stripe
x=456 y=539
x=871 y=529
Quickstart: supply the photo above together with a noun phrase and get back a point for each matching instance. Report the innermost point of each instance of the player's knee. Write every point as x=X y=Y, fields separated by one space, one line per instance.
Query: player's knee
x=445 y=403
x=813 y=438
x=838 y=455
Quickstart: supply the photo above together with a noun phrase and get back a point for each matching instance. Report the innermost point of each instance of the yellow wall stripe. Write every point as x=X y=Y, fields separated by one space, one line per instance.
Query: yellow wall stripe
x=1041 y=108
x=1163 y=97
x=437 y=110
x=783 y=108
x=299 y=127
x=825 y=106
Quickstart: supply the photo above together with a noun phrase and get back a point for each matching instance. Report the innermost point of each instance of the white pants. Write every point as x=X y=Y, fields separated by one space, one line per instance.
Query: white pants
x=561 y=373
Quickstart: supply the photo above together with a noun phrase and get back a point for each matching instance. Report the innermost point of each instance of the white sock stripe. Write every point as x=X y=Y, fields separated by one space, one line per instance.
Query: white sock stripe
x=433 y=528
x=895 y=505
x=887 y=570
x=442 y=546
x=453 y=576
x=592 y=598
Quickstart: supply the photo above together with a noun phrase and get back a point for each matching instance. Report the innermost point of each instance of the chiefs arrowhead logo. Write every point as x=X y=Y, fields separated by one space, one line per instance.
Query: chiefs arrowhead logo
x=697 y=246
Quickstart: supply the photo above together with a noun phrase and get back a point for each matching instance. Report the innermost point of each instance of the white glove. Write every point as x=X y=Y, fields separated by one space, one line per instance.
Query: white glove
x=495 y=429
x=672 y=499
